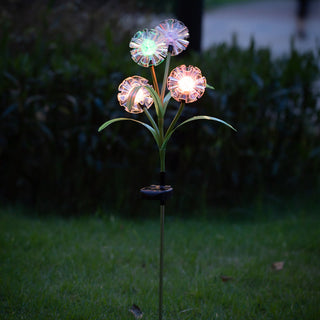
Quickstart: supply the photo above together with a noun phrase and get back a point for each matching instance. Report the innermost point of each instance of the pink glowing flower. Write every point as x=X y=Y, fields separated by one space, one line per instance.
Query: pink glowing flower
x=142 y=98
x=175 y=33
x=149 y=47
x=186 y=83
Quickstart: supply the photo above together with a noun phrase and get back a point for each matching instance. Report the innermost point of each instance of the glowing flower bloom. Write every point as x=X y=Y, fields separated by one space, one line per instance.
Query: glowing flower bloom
x=149 y=47
x=175 y=33
x=186 y=83
x=142 y=98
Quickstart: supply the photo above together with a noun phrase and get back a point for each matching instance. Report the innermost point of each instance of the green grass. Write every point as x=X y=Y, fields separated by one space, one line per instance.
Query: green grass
x=96 y=268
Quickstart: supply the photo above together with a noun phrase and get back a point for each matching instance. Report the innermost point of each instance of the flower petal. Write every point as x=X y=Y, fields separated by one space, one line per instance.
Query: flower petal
x=175 y=33
x=148 y=47
x=186 y=83
x=142 y=98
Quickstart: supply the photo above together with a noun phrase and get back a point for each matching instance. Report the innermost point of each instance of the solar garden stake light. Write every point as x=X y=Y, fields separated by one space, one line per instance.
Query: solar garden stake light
x=149 y=48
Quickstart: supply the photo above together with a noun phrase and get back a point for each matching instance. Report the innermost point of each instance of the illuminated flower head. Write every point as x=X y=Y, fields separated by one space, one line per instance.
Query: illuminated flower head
x=142 y=98
x=186 y=83
x=149 y=47
x=175 y=33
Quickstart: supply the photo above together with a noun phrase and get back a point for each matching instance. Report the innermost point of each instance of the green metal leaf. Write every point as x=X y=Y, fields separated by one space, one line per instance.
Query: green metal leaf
x=210 y=87
x=153 y=132
x=156 y=101
x=166 y=101
x=132 y=97
x=205 y=118
x=169 y=134
x=154 y=95
x=153 y=123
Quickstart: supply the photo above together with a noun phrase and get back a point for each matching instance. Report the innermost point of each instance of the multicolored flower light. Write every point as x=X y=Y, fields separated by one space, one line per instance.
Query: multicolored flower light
x=186 y=83
x=149 y=47
x=142 y=98
x=175 y=33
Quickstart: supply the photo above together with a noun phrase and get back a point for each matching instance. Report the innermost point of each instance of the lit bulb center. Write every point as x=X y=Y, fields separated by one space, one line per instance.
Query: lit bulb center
x=186 y=84
x=140 y=97
x=148 y=47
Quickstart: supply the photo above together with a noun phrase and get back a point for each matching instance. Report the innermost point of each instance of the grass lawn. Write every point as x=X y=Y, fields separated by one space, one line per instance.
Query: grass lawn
x=96 y=268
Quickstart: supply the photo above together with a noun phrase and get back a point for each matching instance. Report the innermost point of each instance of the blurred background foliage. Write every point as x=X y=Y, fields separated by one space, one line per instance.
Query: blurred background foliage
x=61 y=63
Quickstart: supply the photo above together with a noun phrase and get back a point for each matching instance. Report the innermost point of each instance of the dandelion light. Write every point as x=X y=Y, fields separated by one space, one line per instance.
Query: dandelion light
x=186 y=84
x=149 y=48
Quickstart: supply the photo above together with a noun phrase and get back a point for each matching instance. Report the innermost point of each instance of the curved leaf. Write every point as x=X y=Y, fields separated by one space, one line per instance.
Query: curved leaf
x=149 y=116
x=164 y=144
x=153 y=132
x=166 y=101
x=154 y=95
x=206 y=118
x=156 y=101
x=210 y=87
x=132 y=97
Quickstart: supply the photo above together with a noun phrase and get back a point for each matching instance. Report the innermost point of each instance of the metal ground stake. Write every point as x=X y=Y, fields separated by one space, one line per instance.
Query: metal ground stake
x=159 y=192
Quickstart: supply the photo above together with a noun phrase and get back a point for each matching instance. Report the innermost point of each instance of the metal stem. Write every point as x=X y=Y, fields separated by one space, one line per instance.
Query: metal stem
x=162 y=209
x=154 y=79
x=166 y=71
